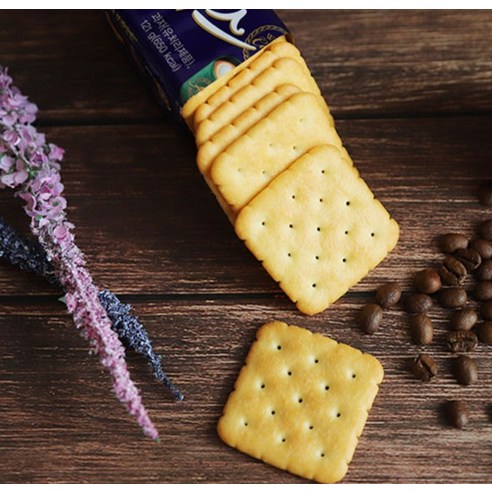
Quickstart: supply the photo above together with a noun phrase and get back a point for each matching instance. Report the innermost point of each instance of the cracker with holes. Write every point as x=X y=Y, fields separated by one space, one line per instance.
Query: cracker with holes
x=227 y=134
x=269 y=147
x=243 y=78
x=283 y=71
x=300 y=402
x=189 y=108
x=317 y=229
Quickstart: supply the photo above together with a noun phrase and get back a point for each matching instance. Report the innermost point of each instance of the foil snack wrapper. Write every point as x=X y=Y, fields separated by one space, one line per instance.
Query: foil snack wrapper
x=182 y=51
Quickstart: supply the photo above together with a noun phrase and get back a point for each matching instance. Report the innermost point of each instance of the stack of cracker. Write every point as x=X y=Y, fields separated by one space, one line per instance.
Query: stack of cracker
x=269 y=150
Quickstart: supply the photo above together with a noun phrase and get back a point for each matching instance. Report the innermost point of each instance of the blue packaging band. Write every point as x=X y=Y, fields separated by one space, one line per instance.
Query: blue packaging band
x=183 y=51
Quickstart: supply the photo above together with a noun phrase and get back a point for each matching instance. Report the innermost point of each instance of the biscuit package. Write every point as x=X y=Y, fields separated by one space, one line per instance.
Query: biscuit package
x=267 y=145
x=183 y=51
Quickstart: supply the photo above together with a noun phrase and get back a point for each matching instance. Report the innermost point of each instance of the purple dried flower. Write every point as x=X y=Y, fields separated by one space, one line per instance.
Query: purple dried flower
x=133 y=335
x=38 y=183
x=30 y=256
x=24 y=254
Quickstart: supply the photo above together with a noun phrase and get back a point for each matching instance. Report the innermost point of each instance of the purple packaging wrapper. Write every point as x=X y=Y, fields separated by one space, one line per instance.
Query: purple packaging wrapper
x=182 y=51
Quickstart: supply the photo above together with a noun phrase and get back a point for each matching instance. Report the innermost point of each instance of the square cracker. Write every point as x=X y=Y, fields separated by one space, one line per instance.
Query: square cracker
x=317 y=229
x=300 y=402
x=283 y=71
x=195 y=101
x=221 y=139
x=265 y=150
x=248 y=73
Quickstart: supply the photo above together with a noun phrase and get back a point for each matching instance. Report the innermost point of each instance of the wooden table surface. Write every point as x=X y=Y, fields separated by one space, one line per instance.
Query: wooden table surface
x=411 y=93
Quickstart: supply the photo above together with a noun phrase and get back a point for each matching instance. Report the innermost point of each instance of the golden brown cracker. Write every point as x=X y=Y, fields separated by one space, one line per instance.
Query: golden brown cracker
x=300 y=402
x=317 y=229
x=195 y=101
x=244 y=77
x=221 y=139
x=283 y=71
x=269 y=147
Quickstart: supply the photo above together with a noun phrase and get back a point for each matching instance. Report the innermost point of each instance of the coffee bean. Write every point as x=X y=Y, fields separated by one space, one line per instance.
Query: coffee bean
x=463 y=319
x=452 y=271
x=421 y=329
x=485 y=230
x=486 y=310
x=466 y=370
x=483 y=290
x=461 y=341
x=453 y=297
x=388 y=295
x=457 y=413
x=469 y=257
x=418 y=303
x=427 y=281
x=370 y=317
x=482 y=247
x=449 y=243
x=424 y=367
x=484 y=331
x=485 y=193
x=484 y=271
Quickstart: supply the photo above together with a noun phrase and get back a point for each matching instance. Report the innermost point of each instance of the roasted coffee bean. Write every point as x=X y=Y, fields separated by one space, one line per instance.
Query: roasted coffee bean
x=484 y=271
x=457 y=413
x=427 y=281
x=482 y=247
x=483 y=290
x=424 y=367
x=469 y=257
x=484 y=331
x=421 y=329
x=486 y=310
x=485 y=230
x=485 y=193
x=461 y=341
x=370 y=317
x=449 y=243
x=418 y=303
x=466 y=371
x=388 y=295
x=453 y=297
x=452 y=271
x=463 y=319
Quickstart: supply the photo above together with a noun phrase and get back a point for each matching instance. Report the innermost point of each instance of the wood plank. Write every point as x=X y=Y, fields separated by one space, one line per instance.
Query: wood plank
x=367 y=63
x=149 y=225
x=60 y=423
x=411 y=94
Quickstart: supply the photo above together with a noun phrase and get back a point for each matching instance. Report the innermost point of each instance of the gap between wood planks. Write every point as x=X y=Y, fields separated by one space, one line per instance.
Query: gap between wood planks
x=349 y=116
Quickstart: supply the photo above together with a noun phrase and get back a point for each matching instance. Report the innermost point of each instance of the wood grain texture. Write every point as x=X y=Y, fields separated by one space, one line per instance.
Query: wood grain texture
x=412 y=95
x=366 y=63
x=55 y=399
x=156 y=228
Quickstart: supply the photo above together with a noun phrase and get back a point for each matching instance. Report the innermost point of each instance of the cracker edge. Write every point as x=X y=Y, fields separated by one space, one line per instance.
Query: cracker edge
x=284 y=326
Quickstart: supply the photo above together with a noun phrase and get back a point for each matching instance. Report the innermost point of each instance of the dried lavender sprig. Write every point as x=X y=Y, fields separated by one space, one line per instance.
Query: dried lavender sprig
x=133 y=335
x=31 y=166
x=30 y=256
x=24 y=254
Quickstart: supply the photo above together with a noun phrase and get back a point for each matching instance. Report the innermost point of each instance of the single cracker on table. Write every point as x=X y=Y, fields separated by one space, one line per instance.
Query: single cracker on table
x=221 y=139
x=269 y=147
x=282 y=71
x=317 y=229
x=301 y=402
x=244 y=77
x=195 y=101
